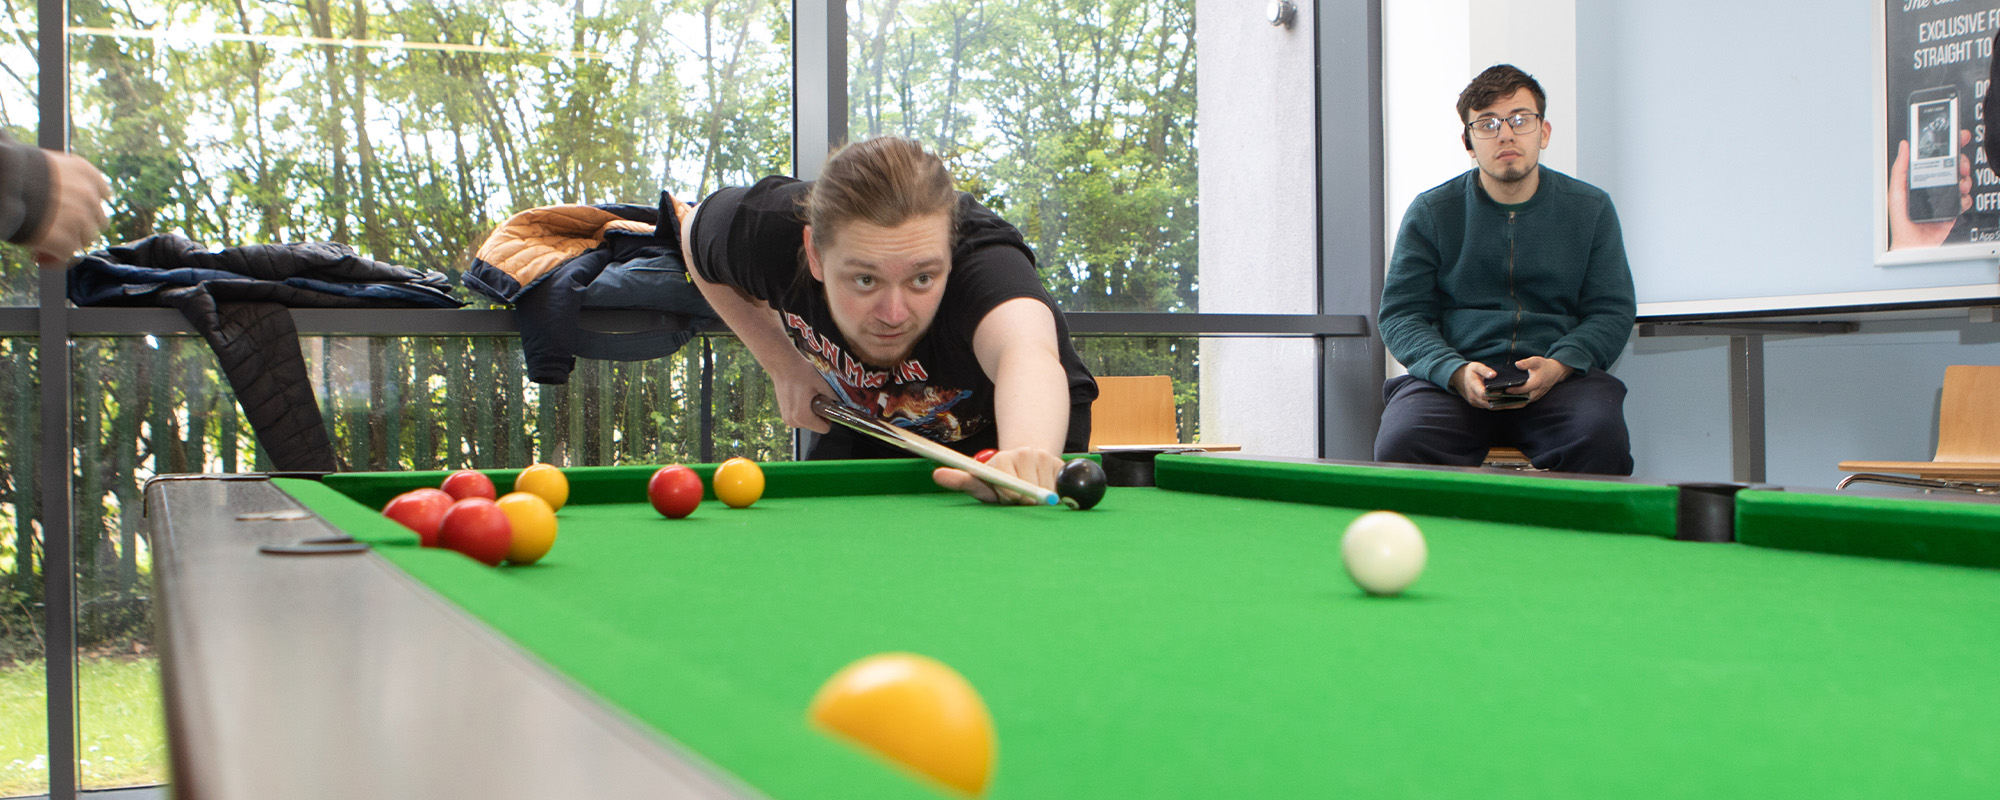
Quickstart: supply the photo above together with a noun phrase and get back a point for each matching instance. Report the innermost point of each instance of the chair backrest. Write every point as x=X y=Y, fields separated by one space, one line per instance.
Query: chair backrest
x=1133 y=410
x=1969 y=416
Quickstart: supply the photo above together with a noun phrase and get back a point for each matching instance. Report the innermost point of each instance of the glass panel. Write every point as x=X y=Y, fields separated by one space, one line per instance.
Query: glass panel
x=450 y=402
x=1075 y=120
x=410 y=131
x=24 y=734
x=1258 y=393
x=1173 y=356
x=20 y=118
x=144 y=406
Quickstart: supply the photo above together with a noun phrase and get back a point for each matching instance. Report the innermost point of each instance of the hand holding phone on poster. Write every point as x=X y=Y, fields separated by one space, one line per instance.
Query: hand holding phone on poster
x=1906 y=232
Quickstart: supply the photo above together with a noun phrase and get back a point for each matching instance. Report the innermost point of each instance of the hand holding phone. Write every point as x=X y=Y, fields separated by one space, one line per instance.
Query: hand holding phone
x=1508 y=388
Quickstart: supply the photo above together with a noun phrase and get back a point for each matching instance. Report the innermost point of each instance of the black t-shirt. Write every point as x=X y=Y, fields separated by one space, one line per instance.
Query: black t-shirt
x=752 y=239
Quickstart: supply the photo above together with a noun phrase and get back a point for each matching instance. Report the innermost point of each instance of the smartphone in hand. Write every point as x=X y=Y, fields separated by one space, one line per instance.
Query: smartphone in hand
x=1508 y=388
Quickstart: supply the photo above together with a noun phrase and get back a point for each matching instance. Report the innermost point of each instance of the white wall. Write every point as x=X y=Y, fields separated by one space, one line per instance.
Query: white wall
x=1769 y=190
x=1427 y=59
x=1539 y=36
x=1884 y=409
x=1430 y=52
x=1258 y=232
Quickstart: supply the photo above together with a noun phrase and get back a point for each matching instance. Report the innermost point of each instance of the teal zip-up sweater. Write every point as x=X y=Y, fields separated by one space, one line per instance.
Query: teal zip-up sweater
x=1472 y=280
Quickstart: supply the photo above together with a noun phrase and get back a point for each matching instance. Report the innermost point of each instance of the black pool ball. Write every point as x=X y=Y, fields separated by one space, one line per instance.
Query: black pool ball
x=1080 y=484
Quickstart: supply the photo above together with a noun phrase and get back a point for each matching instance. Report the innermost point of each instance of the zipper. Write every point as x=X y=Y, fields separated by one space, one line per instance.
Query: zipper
x=1514 y=338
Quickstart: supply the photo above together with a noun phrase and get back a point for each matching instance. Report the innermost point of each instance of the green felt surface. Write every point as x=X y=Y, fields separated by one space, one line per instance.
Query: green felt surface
x=1907 y=529
x=1186 y=644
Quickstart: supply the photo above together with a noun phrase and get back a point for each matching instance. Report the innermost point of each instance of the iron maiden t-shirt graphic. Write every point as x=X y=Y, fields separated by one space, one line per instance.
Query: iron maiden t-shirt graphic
x=903 y=396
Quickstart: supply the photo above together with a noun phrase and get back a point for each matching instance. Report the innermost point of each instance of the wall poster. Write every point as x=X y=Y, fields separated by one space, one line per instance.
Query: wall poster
x=1939 y=199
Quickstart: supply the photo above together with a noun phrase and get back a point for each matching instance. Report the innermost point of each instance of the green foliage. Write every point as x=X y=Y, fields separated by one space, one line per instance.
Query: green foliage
x=1074 y=120
x=409 y=149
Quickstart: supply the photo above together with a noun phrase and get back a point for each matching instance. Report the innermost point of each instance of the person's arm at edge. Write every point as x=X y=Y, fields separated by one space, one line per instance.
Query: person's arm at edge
x=26 y=184
x=759 y=327
x=1016 y=346
x=50 y=202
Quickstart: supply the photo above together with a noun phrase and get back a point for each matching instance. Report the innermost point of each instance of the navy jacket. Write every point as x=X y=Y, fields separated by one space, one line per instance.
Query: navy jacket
x=237 y=298
x=553 y=262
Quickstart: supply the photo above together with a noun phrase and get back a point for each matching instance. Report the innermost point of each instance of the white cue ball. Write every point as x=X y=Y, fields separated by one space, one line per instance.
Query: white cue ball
x=1384 y=552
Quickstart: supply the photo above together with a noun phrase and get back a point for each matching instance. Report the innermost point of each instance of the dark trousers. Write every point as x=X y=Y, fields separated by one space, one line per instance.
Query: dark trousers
x=1579 y=426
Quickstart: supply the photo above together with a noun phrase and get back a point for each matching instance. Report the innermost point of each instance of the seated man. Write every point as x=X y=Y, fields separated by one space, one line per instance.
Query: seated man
x=1516 y=270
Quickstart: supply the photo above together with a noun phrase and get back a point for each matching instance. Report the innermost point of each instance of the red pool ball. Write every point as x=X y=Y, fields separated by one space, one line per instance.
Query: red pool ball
x=469 y=483
x=985 y=455
x=420 y=510
x=675 y=491
x=478 y=528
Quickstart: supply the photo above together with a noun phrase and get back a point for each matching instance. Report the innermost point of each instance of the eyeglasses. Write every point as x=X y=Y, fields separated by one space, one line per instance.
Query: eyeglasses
x=1490 y=127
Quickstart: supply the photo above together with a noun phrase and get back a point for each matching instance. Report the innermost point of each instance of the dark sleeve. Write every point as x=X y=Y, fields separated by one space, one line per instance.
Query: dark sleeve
x=752 y=238
x=24 y=190
x=1609 y=303
x=1410 y=315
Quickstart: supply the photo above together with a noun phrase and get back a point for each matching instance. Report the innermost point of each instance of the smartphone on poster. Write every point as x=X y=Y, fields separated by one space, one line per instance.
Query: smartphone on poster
x=1934 y=195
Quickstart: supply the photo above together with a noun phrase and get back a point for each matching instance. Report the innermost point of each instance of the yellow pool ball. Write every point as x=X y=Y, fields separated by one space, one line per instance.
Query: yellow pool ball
x=546 y=482
x=738 y=482
x=916 y=712
x=534 y=524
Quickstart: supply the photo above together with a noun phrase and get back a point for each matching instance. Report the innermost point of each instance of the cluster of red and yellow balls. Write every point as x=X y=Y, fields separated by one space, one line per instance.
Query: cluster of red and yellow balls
x=676 y=491
x=464 y=515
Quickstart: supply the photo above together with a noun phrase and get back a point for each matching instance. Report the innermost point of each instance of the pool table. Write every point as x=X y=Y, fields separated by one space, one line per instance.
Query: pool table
x=1195 y=638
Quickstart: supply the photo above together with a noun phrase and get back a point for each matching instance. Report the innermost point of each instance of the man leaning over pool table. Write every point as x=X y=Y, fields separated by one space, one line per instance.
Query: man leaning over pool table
x=883 y=287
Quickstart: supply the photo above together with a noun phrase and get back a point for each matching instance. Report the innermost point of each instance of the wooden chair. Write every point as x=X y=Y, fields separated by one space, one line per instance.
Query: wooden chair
x=1968 y=450
x=1137 y=413
x=1508 y=458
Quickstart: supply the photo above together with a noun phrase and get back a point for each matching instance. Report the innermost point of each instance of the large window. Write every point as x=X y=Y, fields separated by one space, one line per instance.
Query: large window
x=453 y=402
x=20 y=118
x=23 y=701
x=1074 y=120
x=407 y=132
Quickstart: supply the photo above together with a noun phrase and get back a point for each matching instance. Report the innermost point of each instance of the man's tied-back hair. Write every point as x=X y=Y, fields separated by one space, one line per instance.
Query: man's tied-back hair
x=886 y=182
x=1494 y=85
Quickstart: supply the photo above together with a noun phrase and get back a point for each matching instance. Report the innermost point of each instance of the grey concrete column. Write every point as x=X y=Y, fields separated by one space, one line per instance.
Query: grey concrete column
x=1351 y=235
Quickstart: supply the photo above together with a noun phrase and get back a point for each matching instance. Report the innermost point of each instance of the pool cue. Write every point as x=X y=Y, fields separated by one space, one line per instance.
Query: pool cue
x=831 y=410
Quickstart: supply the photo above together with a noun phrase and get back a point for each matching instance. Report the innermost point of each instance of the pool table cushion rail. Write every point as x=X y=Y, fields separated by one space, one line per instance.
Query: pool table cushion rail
x=627 y=484
x=1604 y=506
x=1963 y=533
